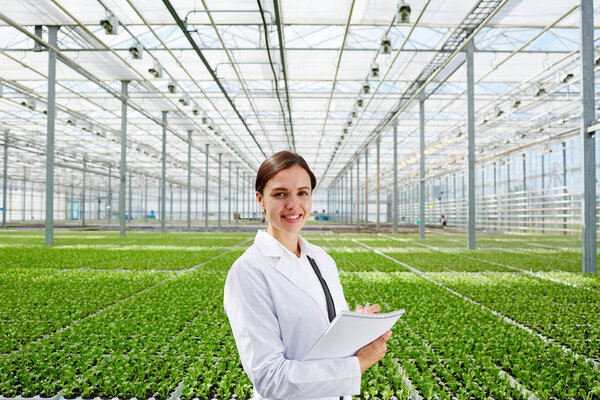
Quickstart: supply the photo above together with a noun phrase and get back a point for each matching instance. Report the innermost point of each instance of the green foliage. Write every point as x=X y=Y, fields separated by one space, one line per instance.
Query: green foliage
x=88 y=317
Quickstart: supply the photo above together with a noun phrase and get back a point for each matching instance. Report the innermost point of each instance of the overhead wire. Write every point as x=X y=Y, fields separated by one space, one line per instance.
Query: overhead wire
x=291 y=143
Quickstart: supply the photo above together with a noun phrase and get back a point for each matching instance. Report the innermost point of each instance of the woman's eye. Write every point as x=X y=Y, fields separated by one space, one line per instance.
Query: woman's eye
x=303 y=193
x=279 y=194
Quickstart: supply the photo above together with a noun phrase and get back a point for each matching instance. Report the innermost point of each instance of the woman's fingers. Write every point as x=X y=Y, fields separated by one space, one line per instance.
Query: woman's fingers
x=374 y=309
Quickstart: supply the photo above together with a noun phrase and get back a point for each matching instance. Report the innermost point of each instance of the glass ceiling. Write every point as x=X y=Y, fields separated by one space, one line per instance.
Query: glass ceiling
x=294 y=74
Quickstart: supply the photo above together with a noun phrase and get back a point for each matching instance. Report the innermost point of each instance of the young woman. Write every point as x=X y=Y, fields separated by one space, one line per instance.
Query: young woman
x=282 y=293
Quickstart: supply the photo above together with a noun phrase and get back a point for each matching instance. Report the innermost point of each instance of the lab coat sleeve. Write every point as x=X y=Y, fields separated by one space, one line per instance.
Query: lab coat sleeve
x=252 y=315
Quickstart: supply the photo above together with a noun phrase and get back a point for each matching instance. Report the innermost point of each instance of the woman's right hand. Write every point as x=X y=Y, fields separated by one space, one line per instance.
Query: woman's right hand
x=373 y=352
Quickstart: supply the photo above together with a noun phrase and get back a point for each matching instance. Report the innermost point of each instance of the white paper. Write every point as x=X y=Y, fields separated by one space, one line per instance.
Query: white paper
x=349 y=332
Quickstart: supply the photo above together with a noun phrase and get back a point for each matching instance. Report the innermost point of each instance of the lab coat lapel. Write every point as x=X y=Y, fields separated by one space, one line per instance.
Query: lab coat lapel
x=287 y=266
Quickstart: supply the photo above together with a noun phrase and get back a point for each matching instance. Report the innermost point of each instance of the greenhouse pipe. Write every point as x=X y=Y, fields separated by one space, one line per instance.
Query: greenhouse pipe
x=282 y=57
x=237 y=194
x=192 y=42
x=219 y=202
x=395 y=195
x=337 y=68
x=422 y=165
x=378 y=180
x=24 y=194
x=123 y=163
x=189 y=182
x=367 y=187
x=431 y=78
x=357 y=193
x=109 y=195
x=83 y=190
x=130 y=212
x=50 y=123
x=4 y=180
x=79 y=69
x=350 y=195
x=206 y=193
x=163 y=180
x=588 y=165
x=470 y=146
x=229 y=196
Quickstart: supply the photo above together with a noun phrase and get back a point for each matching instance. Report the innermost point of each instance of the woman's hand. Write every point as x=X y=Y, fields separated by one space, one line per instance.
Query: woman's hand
x=373 y=352
x=374 y=309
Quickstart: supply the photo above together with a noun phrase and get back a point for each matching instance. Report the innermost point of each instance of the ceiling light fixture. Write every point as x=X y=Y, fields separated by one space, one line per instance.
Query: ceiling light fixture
x=366 y=88
x=403 y=13
x=137 y=51
x=539 y=90
x=185 y=99
x=110 y=24
x=156 y=69
x=386 y=45
x=374 y=69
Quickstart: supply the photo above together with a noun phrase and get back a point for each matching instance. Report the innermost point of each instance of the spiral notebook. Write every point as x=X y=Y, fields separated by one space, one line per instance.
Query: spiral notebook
x=349 y=332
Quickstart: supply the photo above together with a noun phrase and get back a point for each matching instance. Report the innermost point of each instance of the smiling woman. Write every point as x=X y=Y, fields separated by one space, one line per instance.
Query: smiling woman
x=283 y=292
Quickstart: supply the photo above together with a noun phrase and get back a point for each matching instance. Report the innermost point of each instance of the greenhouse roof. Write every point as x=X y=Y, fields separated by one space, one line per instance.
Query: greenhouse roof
x=297 y=76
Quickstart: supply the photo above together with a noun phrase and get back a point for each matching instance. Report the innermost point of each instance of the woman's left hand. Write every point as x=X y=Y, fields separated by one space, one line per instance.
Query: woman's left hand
x=373 y=309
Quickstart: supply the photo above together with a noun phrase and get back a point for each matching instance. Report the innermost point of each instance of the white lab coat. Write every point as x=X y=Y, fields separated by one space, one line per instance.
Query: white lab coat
x=275 y=318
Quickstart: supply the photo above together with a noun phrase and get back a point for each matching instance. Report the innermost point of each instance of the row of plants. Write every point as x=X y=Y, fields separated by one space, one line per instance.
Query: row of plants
x=67 y=238
x=102 y=257
x=591 y=281
x=564 y=313
x=467 y=347
x=362 y=259
x=37 y=301
x=430 y=260
x=141 y=347
x=533 y=260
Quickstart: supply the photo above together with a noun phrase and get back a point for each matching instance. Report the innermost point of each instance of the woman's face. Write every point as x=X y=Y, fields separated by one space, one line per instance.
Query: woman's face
x=287 y=199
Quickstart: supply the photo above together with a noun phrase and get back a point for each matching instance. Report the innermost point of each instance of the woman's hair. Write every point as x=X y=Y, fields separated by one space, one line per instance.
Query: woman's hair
x=278 y=162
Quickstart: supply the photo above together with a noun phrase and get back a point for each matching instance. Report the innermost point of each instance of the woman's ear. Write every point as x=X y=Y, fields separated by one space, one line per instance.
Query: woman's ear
x=259 y=198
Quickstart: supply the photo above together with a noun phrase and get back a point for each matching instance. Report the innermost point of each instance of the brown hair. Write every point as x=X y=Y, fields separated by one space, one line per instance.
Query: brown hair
x=277 y=162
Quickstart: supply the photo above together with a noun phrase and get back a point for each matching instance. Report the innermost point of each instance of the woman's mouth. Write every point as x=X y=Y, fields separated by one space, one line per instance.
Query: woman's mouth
x=292 y=217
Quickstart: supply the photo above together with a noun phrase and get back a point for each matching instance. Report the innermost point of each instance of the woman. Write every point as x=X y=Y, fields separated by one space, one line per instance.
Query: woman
x=281 y=293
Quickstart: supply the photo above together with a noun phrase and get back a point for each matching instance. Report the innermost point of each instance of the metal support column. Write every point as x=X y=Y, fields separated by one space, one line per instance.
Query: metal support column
x=243 y=195
x=24 y=194
x=130 y=209
x=565 y=190
x=229 y=197
x=588 y=165
x=357 y=192
x=4 y=180
x=189 y=182
x=350 y=195
x=395 y=167
x=237 y=194
x=470 y=146
x=378 y=181
x=367 y=187
x=123 y=164
x=50 y=122
x=219 y=201
x=206 y=193
x=171 y=201
x=422 y=165
x=163 y=181
x=83 y=190
x=109 y=195
x=145 y=197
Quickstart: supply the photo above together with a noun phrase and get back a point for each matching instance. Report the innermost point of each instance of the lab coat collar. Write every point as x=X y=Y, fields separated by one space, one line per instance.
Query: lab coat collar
x=271 y=247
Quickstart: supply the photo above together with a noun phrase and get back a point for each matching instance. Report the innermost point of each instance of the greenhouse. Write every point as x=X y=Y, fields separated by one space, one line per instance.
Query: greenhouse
x=453 y=146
